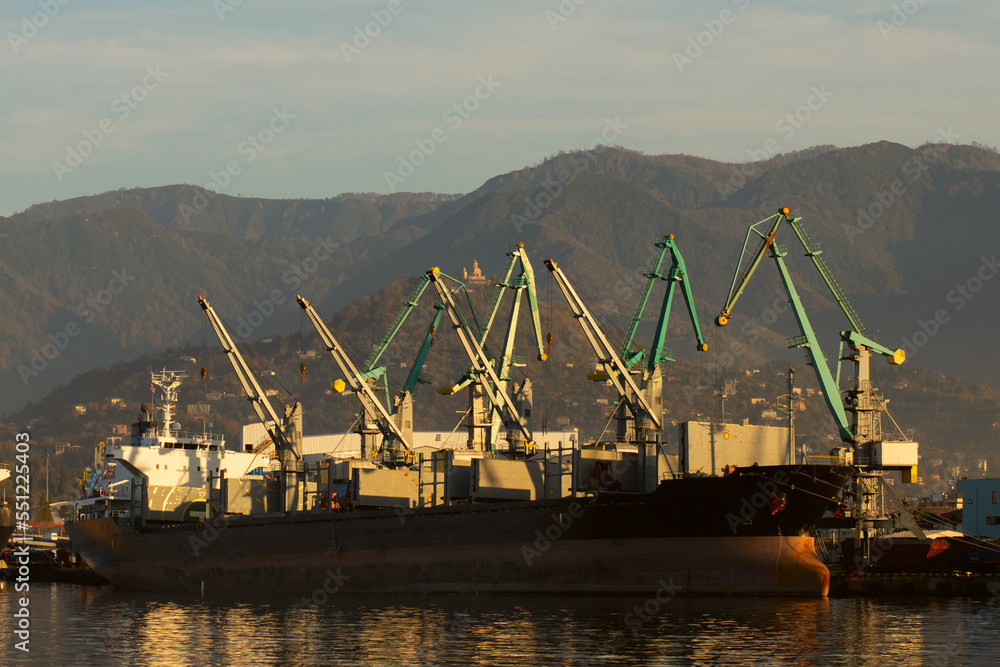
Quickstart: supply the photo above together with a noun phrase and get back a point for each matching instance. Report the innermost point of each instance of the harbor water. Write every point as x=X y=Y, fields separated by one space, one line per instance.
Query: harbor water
x=77 y=625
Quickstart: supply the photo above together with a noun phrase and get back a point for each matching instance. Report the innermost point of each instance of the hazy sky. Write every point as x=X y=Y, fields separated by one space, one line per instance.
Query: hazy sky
x=315 y=98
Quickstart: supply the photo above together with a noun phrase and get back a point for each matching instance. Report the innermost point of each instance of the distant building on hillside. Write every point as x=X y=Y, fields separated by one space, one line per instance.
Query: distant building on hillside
x=476 y=278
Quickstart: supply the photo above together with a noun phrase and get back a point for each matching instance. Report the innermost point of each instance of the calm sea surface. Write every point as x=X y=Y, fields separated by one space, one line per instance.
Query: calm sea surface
x=77 y=625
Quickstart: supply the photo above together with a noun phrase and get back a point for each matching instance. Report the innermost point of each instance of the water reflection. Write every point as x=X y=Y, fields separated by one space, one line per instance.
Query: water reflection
x=85 y=626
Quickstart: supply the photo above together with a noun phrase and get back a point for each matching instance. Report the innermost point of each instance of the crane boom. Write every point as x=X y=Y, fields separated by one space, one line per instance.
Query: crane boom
x=524 y=281
x=814 y=354
x=358 y=385
x=617 y=372
x=504 y=282
x=529 y=279
x=418 y=364
x=807 y=339
x=274 y=425
x=677 y=275
x=629 y=356
x=408 y=305
x=813 y=252
x=480 y=362
x=740 y=281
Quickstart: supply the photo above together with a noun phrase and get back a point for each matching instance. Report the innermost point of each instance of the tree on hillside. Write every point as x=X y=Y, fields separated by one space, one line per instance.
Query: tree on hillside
x=43 y=512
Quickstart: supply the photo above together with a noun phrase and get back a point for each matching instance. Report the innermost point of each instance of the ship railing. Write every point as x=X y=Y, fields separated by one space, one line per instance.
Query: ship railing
x=262 y=445
x=824 y=460
x=438 y=487
x=554 y=471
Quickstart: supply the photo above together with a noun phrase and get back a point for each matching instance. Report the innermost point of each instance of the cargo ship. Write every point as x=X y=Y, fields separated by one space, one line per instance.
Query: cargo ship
x=613 y=518
x=747 y=532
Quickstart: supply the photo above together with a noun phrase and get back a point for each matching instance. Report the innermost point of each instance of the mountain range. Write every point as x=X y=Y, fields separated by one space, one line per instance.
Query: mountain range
x=909 y=233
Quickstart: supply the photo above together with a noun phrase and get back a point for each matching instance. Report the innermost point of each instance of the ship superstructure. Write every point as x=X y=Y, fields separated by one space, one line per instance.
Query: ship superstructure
x=172 y=465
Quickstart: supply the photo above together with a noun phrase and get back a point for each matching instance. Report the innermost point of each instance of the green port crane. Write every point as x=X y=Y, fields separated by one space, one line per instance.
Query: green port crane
x=402 y=401
x=676 y=275
x=519 y=436
x=652 y=377
x=523 y=283
x=485 y=421
x=862 y=433
x=766 y=230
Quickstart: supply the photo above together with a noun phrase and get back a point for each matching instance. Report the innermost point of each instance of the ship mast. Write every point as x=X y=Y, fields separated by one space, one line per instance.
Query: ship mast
x=168 y=382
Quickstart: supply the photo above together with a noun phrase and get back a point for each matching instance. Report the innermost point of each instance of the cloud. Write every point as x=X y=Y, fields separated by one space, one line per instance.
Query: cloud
x=354 y=118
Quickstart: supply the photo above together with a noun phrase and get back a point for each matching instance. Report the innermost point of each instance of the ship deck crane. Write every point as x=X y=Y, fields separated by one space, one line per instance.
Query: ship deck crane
x=285 y=431
x=374 y=410
x=618 y=374
x=482 y=367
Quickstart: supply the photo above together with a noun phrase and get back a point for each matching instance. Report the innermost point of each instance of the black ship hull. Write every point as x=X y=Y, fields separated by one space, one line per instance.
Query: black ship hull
x=745 y=533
